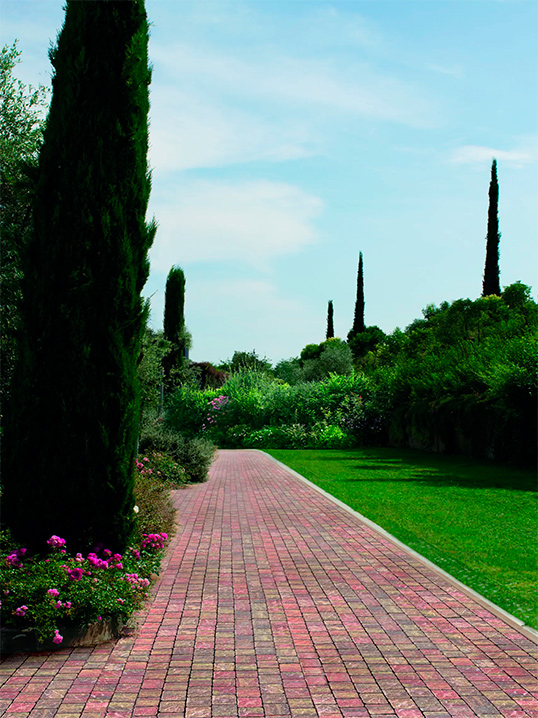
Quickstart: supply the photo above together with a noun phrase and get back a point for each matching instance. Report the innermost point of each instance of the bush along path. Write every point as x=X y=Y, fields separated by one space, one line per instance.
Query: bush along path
x=274 y=601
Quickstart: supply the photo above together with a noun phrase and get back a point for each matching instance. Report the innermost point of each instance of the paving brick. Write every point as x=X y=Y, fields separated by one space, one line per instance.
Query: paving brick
x=275 y=602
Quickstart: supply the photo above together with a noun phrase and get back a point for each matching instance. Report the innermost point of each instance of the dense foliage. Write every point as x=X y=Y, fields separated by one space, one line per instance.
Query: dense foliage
x=462 y=380
x=72 y=425
x=252 y=409
x=21 y=134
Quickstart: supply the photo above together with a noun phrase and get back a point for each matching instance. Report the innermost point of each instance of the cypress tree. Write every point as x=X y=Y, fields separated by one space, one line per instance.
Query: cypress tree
x=330 y=323
x=174 y=321
x=72 y=425
x=174 y=305
x=358 y=319
x=491 y=281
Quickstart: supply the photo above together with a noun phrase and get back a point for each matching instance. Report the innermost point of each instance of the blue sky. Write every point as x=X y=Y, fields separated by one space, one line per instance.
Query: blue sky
x=288 y=136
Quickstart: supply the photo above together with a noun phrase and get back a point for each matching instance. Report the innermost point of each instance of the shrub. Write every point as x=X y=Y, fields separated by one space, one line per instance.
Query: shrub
x=156 y=512
x=193 y=454
x=59 y=589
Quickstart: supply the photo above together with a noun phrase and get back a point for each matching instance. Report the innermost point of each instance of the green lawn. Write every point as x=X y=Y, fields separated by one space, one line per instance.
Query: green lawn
x=475 y=520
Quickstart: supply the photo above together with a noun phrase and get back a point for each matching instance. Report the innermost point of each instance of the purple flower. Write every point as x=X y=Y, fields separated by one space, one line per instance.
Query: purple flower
x=56 y=542
x=13 y=560
x=57 y=638
x=75 y=574
x=53 y=592
x=21 y=610
x=58 y=604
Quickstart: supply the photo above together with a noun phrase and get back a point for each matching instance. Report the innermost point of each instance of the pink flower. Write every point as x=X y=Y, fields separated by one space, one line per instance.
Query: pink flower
x=53 y=592
x=75 y=574
x=58 y=604
x=119 y=564
x=79 y=557
x=57 y=638
x=21 y=610
x=120 y=600
x=67 y=605
x=145 y=458
x=56 y=542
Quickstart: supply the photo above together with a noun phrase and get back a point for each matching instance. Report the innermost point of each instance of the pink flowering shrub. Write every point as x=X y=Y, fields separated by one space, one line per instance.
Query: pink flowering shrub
x=48 y=592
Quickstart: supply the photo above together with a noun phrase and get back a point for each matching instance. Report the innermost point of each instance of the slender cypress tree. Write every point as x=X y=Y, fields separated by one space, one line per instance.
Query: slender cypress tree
x=491 y=282
x=330 y=323
x=174 y=305
x=174 y=321
x=358 y=319
x=72 y=425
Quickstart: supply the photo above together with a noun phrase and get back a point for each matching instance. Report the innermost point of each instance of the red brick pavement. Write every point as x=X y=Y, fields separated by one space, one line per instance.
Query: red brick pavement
x=273 y=601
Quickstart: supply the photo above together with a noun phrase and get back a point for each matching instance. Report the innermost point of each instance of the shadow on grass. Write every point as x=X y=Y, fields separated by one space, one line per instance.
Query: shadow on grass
x=428 y=469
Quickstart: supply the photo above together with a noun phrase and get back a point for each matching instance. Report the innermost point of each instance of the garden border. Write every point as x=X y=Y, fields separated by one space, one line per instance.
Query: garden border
x=516 y=623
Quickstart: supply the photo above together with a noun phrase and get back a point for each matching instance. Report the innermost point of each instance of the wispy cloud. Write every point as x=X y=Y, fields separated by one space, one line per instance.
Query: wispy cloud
x=245 y=222
x=355 y=88
x=524 y=153
x=190 y=132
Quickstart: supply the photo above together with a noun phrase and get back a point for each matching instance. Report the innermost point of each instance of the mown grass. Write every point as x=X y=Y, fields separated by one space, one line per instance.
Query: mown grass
x=475 y=520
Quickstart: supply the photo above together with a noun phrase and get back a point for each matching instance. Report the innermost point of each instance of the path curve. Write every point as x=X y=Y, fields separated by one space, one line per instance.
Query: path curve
x=274 y=601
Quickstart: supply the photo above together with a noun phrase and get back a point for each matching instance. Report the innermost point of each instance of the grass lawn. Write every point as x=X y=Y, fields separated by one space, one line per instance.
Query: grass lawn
x=475 y=520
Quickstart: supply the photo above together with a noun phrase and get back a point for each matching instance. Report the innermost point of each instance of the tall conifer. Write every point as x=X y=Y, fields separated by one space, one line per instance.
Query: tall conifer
x=72 y=427
x=491 y=282
x=358 y=319
x=174 y=305
x=330 y=322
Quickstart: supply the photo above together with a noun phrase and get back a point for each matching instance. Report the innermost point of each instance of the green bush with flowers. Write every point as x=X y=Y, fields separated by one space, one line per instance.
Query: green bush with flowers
x=56 y=590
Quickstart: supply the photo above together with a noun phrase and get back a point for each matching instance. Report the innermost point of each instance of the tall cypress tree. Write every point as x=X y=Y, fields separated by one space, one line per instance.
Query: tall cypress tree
x=330 y=322
x=174 y=321
x=72 y=426
x=174 y=305
x=358 y=319
x=491 y=282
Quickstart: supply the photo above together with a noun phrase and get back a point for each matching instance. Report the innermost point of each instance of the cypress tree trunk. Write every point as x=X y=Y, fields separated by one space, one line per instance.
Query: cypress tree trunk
x=73 y=422
x=330 y=323
x=358 y=319
x=491 y=282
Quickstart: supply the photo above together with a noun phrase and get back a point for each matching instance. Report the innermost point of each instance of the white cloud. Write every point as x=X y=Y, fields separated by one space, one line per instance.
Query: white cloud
x=525 y=153
x=246 y=222
x=277 y=84
x=188 y=132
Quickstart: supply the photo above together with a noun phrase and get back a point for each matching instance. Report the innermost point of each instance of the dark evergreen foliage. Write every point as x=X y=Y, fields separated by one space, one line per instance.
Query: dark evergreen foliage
x=330 y=320
x=174 y=323
x=358 y=319
x=491 y=282
x=72 y=426
x=174 y=305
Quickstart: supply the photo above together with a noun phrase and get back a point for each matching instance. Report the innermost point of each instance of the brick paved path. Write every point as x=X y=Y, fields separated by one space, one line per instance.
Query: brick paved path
x=274 y=601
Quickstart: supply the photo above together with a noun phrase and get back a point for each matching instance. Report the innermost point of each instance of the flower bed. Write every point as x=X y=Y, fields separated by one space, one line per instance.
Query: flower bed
x=43 y=595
